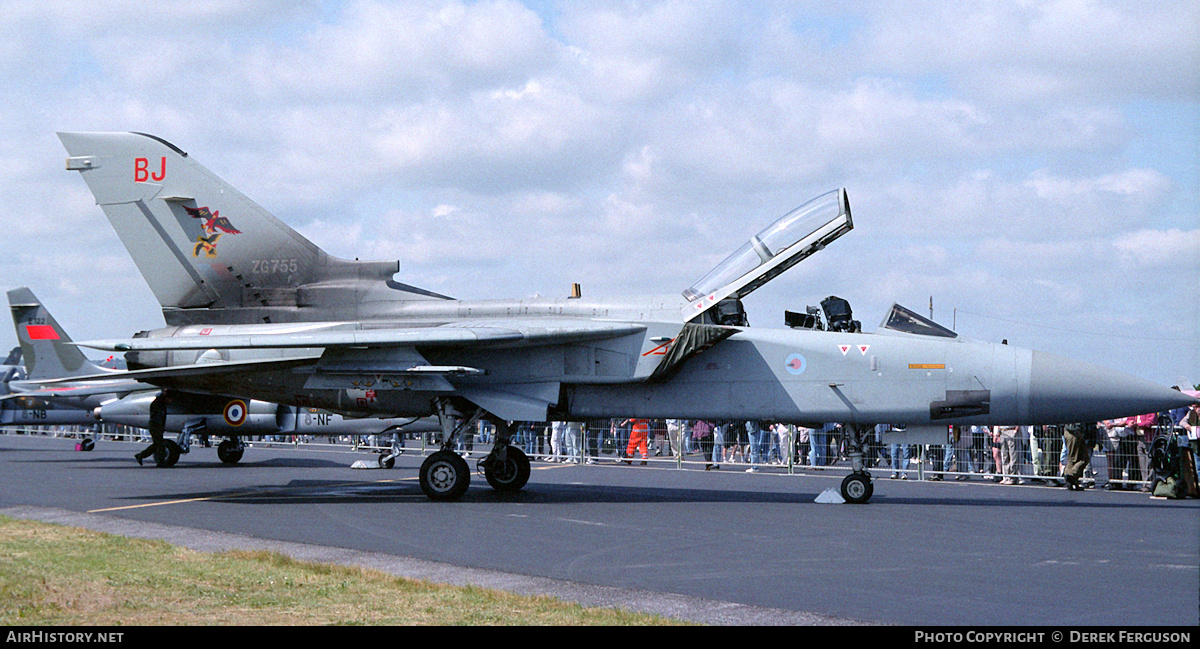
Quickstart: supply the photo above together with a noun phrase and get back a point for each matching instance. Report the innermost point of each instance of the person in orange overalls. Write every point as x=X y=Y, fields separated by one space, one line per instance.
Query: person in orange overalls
x=639 y=433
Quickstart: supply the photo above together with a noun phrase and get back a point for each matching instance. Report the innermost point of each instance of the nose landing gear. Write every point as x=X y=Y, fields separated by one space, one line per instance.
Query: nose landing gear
x=856 y=487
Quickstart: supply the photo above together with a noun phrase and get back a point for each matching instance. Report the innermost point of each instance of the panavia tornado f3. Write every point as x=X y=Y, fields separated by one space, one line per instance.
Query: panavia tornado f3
x=254 y=309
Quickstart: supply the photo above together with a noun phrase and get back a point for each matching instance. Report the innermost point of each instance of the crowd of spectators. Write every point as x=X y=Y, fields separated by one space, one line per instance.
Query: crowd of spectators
x=1008 y=455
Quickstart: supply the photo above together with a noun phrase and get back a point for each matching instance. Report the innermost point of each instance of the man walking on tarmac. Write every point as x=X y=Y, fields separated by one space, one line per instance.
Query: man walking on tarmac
x=158 y=424
x=1079 y=440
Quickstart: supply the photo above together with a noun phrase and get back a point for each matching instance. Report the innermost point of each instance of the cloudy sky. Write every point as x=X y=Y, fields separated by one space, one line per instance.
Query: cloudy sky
x=1031 y=167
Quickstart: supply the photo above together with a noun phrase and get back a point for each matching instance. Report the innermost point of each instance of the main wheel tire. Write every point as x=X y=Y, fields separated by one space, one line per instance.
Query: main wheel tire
x=445 y=476
x=857 y=488
x=166 y=454
x=229 y=452
x=514 y=473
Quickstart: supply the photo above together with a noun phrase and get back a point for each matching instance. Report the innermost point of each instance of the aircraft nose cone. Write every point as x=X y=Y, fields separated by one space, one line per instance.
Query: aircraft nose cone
x=1064 y=390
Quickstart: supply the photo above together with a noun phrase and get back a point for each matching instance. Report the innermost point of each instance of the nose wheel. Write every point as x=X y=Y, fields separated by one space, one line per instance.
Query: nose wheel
x=857 y=488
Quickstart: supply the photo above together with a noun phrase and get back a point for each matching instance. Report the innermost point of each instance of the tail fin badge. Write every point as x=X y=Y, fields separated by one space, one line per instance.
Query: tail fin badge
x=41 y=332
x=211 y=222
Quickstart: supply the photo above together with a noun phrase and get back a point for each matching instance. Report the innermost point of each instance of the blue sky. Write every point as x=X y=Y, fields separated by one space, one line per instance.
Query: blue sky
x=1030 y=166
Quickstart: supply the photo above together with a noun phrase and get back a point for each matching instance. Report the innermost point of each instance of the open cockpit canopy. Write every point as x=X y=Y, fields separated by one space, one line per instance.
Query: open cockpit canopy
x=776 y=248
x=906 y=321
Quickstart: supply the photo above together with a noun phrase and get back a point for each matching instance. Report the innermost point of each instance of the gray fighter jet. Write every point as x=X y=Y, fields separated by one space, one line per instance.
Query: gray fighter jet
x=53 y=394
x=28 y=401
x=256 y=310
x=20 y=410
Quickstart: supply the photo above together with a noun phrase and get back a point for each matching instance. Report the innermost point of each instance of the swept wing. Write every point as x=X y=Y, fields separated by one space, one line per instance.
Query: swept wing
x=461 y=334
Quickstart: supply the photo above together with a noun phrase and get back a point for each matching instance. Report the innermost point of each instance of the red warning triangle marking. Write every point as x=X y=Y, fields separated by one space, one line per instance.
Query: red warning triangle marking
x=844 y=348
x=863 y=349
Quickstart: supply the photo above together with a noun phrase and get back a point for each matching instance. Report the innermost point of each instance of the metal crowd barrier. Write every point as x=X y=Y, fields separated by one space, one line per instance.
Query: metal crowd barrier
x=1122 y=465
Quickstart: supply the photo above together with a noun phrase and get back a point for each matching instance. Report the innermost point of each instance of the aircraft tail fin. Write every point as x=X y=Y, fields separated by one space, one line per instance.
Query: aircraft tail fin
x=45 y=346
x=203 y=246
x=10 y=370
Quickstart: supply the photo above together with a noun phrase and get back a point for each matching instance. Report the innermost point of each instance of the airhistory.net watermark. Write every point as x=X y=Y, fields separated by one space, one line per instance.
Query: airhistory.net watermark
x=64 y=637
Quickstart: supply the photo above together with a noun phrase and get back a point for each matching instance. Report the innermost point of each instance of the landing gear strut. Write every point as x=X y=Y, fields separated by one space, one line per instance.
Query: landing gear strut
x=387 y=459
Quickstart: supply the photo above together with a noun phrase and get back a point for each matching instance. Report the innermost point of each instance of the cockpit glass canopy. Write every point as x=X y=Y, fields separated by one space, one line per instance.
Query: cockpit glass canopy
x=906 y=321
x=775 y=248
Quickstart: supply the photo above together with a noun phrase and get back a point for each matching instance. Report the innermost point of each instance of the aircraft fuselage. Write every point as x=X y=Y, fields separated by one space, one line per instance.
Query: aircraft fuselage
x=791 y=375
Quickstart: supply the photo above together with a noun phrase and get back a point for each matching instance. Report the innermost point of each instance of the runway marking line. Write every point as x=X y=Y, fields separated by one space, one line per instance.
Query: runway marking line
x=165 y=502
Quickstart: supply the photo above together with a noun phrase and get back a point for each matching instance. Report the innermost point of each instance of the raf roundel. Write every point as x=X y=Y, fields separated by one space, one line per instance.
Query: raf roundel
x=795 y=364
x=235 y=412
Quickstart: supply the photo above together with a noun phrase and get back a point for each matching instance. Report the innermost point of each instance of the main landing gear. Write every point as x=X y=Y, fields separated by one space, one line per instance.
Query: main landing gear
x=506 y=471
x=445 y=474
x=166 y=452
x=856 y=487
x=230 y=450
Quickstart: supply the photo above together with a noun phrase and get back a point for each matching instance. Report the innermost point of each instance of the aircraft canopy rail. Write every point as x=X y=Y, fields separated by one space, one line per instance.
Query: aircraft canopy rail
x=906 y=321
x=776 y=248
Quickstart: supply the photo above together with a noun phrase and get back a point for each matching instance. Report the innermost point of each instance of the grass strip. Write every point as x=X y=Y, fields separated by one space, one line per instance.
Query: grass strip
x=65 y=576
